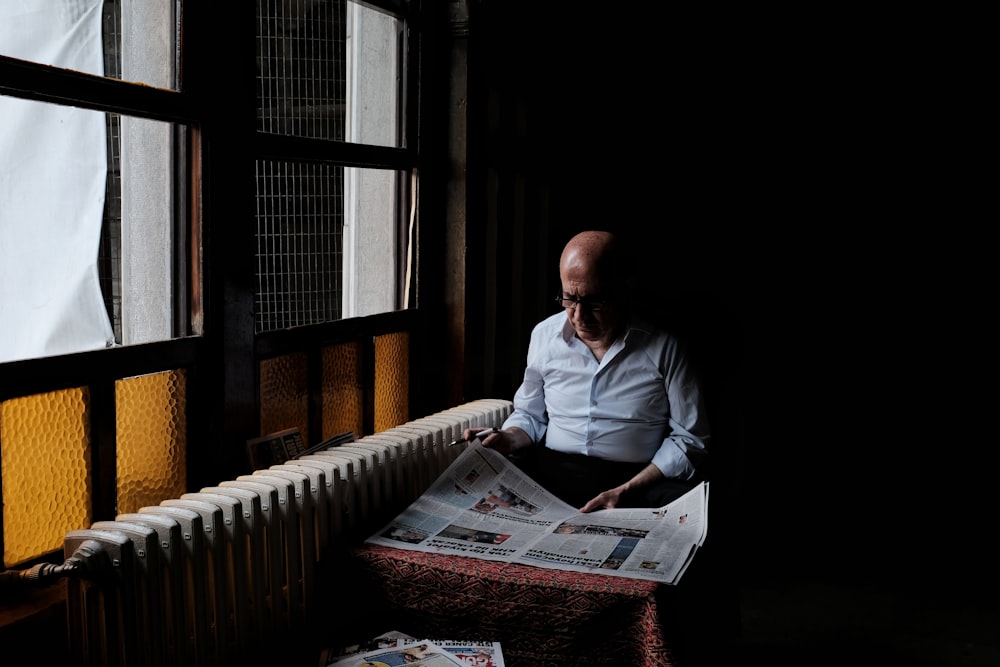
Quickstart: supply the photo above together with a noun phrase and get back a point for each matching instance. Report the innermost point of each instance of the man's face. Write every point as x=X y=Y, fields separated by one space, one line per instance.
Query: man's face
x=595 y=316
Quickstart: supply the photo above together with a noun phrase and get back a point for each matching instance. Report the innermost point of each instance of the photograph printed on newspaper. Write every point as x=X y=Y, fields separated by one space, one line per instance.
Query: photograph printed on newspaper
x=483 y=506
x=473 y=654
x=414 y=654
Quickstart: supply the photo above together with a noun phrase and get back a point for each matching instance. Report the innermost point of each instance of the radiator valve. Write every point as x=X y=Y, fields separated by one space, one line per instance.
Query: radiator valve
x=89 y=560
x=42 y=574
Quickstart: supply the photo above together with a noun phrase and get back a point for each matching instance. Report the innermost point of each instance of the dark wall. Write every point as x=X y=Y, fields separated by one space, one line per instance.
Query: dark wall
x=790 y=224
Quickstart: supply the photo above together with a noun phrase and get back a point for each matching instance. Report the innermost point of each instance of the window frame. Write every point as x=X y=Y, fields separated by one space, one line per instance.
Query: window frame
x=98 y=370
x=221 y=362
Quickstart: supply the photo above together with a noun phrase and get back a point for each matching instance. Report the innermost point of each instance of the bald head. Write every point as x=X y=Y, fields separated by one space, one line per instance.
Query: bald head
x=592 y=254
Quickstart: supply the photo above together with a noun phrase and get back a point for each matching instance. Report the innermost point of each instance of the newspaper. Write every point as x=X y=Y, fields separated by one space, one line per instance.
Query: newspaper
x=416 y=654
x=379 y=649
x=483 y=506
x=474 y=654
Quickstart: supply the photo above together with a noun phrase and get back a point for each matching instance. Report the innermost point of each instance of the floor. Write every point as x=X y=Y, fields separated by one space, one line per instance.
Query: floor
x=820 y=625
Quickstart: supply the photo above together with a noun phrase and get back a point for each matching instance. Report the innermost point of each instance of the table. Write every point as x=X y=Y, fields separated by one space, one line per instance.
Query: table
x=540 y=616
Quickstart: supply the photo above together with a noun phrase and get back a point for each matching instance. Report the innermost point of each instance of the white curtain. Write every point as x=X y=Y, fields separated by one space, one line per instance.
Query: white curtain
x=52 y=181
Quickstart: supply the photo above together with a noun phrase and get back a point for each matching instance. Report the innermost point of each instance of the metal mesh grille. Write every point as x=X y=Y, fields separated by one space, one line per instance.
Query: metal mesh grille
x=300 y=233
x=300 y=207
x=300 y=68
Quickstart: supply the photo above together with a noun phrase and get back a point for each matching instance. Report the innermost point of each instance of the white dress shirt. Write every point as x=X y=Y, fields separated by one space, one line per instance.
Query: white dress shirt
x=641 y=403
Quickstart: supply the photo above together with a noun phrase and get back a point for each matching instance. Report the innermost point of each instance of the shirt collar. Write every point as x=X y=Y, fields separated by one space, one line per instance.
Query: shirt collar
x=638 y=326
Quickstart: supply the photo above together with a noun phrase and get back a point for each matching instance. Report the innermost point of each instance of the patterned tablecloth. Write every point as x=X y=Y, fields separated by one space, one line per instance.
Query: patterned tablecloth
x=540 y=616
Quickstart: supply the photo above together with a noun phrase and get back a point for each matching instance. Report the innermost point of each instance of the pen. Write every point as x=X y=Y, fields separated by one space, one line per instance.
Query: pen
x=479 y=436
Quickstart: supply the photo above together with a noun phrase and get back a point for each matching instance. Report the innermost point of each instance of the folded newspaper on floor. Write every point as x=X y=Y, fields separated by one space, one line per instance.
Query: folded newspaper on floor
x=395 y=647
x=416 y=654
x=483 y=506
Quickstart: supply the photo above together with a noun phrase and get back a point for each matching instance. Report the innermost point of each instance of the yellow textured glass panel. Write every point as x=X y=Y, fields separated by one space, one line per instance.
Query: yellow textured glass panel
x=343 y=393
x=151 y=420
x=392 y=380
x=284 y=394
x=45 y=444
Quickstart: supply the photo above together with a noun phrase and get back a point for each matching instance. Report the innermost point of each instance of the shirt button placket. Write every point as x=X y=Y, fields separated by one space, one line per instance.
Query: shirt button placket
x=593 y=419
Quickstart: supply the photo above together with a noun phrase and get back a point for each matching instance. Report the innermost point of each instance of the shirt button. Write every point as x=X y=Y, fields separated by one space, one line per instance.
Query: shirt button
x=593 y=419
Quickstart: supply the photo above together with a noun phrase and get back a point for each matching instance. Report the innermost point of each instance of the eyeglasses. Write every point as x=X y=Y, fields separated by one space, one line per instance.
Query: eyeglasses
x=593 y=305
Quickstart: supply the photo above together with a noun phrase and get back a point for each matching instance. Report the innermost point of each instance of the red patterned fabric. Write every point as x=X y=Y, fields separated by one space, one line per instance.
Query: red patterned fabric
x=541 y=616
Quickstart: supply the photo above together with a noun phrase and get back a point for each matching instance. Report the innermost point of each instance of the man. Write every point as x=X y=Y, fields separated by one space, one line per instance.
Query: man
x=609 y=413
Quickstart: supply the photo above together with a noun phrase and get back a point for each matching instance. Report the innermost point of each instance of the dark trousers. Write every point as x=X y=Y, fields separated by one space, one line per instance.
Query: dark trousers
x=576 y=479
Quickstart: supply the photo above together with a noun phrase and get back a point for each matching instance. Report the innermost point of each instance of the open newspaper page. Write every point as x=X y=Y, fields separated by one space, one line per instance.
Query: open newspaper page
x=480 y=506
x=656 y=544
x=483 y=506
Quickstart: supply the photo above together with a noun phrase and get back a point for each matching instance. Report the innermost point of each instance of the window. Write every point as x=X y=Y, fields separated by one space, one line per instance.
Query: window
x=332 y=239
x=335 y=177
x=135 y=150
x=328 y=235
x=86 y=180
x=94 y=245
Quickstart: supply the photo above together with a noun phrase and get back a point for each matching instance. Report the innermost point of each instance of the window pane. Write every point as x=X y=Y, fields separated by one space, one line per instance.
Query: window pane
x=51 y=215
x=328 y=243
x=45 y=458
x=89 y=233
x=151 y=422
x=392 y=380
x=300 y=237
x=343 y=390
x=284 y=395
x=132 y=41
x=329 y=69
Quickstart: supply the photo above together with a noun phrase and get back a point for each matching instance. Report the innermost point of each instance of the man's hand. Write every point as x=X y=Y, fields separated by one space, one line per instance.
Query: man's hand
x=605 y=500
x=609 y=499
x=506 y=442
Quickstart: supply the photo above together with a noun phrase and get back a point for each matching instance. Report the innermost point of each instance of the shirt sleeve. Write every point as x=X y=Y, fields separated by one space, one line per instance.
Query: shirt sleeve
x=529 y=412
x=685 y=446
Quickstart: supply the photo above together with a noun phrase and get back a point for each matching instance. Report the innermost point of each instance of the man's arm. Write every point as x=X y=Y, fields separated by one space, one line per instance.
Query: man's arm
x=609 y=499
x=507 y=441
x=529 y=415
x=685 y=446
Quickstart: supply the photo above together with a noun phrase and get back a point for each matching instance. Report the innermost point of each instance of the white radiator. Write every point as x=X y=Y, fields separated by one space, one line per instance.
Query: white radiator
x=213 y=577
